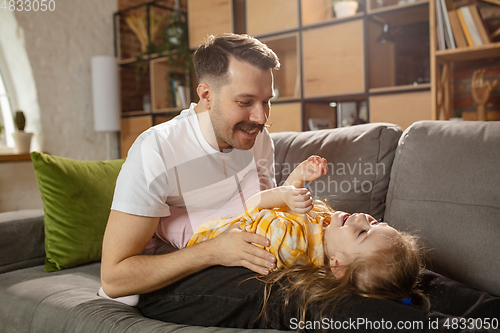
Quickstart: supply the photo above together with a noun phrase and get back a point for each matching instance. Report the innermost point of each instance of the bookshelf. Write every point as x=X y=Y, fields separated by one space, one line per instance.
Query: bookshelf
x=444 y=60
x=328 y=62
x=149 y=68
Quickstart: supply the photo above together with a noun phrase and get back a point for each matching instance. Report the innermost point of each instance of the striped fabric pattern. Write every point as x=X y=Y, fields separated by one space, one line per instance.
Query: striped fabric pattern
x=296 y=239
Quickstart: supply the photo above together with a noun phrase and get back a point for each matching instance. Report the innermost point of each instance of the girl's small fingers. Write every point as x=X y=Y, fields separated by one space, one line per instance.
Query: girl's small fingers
x=304 y=210
x=301 y=191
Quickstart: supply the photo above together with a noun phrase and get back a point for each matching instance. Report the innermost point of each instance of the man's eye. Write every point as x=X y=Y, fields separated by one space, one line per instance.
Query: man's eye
x=244 y=103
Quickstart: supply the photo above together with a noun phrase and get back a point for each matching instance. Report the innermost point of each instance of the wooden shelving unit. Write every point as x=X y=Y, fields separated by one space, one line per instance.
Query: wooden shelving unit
x=442 y=62
x=470 y=53
x=327 y=60
x=146 y=78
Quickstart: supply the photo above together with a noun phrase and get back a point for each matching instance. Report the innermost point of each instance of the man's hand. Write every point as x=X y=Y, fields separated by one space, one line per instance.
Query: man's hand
x=235 y=247
x=298 y=200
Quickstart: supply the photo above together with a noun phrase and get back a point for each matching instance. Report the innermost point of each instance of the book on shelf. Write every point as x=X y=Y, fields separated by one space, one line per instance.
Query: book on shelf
x=458 y=34
x=464 y=28
x=448 y=34
x=440 y=27
x=481 y=26
x=471 y=26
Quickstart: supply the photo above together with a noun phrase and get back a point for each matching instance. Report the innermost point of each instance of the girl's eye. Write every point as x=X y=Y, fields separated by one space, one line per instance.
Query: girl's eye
x=361 y=232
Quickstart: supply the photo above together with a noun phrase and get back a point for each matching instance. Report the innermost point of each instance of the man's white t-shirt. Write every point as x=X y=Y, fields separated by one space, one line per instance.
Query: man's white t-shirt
x=173 y=173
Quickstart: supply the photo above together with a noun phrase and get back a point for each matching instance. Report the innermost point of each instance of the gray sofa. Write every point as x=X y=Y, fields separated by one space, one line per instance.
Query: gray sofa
x=440 y=180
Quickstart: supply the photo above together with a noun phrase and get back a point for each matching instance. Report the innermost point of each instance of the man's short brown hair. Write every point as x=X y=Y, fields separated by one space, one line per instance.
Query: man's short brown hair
x=211 y=59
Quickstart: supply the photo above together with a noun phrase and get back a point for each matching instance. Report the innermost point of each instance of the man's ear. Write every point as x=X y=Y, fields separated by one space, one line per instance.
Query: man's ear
x=205 y=94
x=338 y=265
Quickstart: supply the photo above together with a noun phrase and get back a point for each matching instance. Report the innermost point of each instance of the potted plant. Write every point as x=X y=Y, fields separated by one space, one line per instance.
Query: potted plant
x=22 y=139
x=344 y=8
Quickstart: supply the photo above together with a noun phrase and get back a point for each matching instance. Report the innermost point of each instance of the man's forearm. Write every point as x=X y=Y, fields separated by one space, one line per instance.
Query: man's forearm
x=145 y=273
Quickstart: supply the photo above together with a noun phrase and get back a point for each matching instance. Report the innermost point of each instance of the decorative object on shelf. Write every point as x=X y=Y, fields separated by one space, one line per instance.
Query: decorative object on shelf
x=22 y=139
x=481 y=90
x=316 y=124
x=138 y=24
x=344 y=8
x=180 y=94
x=347 y=113
x=443 y=93
x=167 y=38
x=146 y=102
x=386 y=35
x=382 y=3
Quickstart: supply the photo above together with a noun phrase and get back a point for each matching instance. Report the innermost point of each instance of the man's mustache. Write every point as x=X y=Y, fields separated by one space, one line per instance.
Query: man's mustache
x=249 y=125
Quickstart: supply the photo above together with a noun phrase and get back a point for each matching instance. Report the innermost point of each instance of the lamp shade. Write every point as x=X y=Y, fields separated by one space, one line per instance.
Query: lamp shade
x=106 y=95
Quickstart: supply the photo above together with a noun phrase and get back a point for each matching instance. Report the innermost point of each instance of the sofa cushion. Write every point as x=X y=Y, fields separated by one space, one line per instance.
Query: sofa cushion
x=21 y=239
x=359 y=161
x=67 y=301
x=445 y=186
x=76 y=199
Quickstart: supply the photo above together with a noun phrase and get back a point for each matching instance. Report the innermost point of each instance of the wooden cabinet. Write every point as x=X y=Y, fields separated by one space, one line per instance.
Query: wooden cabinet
x=287 y=79
x=131 y=128
x=343 y=61
x=333 y=60
x=285 y=117
x=208 y=17
x=403 y=109
x=265 y=17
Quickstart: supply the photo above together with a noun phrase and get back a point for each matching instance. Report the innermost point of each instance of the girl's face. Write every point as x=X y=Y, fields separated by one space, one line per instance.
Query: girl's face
x=350 y=236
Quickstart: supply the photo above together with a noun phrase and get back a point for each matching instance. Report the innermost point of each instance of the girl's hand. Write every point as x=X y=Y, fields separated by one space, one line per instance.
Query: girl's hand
x=298 y=200
x=312 y=168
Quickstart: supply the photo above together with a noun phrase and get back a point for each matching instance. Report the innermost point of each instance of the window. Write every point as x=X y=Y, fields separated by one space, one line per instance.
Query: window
x=5 y=116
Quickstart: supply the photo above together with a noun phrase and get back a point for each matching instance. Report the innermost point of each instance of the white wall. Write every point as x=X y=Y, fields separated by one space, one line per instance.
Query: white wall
x=59 y=46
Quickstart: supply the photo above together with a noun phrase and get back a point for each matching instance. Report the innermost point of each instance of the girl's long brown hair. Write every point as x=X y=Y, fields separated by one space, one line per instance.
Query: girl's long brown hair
x=390 y=274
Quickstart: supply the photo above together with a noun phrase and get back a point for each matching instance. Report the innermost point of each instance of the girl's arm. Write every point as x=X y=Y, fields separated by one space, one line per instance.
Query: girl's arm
x=292 y=194
x=298 y=200
x=309 y=170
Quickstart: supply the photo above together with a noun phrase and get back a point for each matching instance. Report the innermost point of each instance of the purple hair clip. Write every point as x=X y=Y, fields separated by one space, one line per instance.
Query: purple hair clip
x=407 y=301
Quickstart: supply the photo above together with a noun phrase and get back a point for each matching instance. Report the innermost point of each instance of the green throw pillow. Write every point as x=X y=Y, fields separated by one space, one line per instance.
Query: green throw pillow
x=76 y=199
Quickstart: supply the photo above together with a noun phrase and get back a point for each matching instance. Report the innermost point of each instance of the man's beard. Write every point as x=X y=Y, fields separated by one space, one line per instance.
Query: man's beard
x=245 y=126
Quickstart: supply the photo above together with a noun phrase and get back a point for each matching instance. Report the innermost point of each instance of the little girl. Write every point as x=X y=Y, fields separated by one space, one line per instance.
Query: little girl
x=301 y=232
x=322 y=253
x=295 y=238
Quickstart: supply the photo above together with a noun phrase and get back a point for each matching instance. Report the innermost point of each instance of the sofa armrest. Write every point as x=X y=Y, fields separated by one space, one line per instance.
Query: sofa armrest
x=21 y=239
x=445 y=187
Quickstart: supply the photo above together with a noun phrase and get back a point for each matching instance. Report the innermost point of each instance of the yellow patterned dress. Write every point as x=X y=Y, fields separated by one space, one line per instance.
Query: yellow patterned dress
x=296 y=239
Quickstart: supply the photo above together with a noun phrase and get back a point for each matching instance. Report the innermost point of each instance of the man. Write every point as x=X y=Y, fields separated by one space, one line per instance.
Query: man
x=203 y=164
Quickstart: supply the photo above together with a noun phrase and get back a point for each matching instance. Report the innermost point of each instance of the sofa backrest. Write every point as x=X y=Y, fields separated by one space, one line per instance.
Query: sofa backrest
x=445 y=186
x=359 y=161
x=21 y=239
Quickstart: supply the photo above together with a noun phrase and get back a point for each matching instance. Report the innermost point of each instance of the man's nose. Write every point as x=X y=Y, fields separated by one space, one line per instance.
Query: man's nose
x=260 y=114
